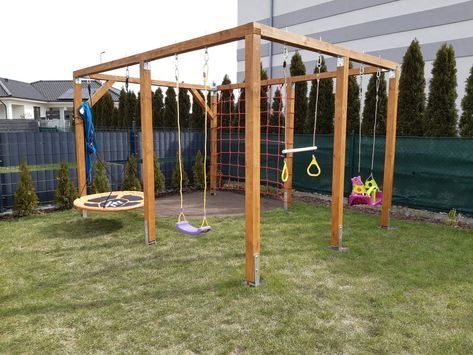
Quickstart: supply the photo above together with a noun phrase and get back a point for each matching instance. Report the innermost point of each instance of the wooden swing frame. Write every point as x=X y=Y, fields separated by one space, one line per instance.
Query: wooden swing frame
x=252 y=34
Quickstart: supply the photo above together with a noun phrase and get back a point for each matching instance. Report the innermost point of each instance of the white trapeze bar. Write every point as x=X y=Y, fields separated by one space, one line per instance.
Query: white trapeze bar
x=298 y=150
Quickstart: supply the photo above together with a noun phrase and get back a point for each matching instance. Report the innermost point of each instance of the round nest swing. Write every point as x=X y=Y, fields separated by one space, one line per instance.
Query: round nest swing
x=115 y=201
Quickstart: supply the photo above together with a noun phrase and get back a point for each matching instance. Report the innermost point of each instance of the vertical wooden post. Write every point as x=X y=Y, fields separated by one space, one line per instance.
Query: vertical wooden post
x=213 y=145
x=147 y=152
x=390 y=150
x=289 y=136
x=252 y=158
x=339 y=145
x=80 y=142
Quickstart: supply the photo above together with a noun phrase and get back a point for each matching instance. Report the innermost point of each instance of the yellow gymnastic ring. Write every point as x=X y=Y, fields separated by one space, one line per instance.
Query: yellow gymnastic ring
x=285 y=172
x=312 y=163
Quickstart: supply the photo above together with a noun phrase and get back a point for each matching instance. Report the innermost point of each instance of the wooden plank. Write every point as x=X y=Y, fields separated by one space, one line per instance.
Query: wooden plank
x=133 y=80
x=298 y=78
x=390 y=150
x=252 y=158
x=213 y=145
x=289 y=129
x=214 y=39
x=100 y=92
x=312 y=44
x=79 y=139
x=147 y=152
x=339 y=145
x=201 y=101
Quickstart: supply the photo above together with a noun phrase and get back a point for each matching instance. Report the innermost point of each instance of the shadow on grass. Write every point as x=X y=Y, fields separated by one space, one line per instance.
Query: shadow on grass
x=82 y=228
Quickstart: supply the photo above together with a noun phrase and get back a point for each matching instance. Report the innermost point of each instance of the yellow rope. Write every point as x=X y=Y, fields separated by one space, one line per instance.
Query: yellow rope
x=205 y=71
x=181 y=216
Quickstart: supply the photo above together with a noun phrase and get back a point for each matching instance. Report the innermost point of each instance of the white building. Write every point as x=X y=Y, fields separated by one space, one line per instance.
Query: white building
x=47 y=101
x=379 y=27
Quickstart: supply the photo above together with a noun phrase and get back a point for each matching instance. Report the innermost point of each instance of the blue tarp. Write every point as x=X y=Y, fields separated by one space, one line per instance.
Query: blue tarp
x=85 y=112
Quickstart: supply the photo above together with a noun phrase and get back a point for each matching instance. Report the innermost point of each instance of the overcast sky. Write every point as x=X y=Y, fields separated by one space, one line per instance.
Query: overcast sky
x=48 y=39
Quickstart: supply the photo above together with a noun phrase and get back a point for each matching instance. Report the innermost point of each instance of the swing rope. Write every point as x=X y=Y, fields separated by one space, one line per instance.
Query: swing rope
x=181 y=216
x=313 y=161
x=205 y=74
x=378 y=80
x=285 y=169
x=360 y=115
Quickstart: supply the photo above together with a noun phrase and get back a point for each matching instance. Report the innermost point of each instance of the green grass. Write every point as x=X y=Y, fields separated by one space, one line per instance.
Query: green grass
x=69 y=285
x=41 y=167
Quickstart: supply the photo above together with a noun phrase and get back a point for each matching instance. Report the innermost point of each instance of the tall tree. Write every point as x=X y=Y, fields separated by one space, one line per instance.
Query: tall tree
x=370 y=106
x=411 y=105
x=300 y=101
x=170 y=114
x=441 y=114
x=325 y=106
x=122 y=109
x=131 y=108
x=184 y=107
x=353 y=109
x=466 y=120
x=264 y=101
x=226 y=101
x=137 y=111
x=158 y=109
x=277 y=110
x=240 y=110
x=197 y=116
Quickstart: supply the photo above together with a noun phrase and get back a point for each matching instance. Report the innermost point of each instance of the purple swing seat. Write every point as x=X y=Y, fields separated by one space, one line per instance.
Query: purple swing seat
x=186 y=228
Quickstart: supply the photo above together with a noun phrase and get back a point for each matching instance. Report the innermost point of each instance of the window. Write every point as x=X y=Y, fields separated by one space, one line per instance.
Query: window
x=53 y=114
x=68 y=113
x=36 y=112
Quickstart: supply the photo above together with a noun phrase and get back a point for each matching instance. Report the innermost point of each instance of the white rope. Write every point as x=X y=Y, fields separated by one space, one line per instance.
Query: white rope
x=318 y=67
x=360 y=115
x=378 y=79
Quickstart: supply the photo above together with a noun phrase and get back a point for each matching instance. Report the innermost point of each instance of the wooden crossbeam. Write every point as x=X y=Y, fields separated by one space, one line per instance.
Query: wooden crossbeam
x=211 y=40
x=299 y=78
x=132 y=80
x=100 y=92
x=312 y=44
x=201 y=101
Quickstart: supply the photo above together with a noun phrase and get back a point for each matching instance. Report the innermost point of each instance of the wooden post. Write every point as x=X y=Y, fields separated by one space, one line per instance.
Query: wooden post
x=289 y=136
x=147 y=152
x=80 y=142
x=252 y=158
x=213 y=145
x=339 y=144
x=390 y=150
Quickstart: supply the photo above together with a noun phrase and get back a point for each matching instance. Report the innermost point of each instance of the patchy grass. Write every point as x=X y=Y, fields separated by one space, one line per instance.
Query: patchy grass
x=41 y=167
x=72 y=285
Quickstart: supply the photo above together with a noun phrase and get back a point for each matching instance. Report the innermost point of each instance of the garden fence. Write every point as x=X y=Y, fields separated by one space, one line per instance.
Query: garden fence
x=430 y=173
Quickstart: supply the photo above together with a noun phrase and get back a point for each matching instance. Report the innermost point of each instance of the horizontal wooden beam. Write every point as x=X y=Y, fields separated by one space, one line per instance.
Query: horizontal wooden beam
x=211 y=40
x=172 y=84
x=312 y=44
x=299 y=78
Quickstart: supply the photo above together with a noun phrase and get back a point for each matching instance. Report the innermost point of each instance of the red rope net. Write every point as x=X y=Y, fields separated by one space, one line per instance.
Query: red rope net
x=231 y=140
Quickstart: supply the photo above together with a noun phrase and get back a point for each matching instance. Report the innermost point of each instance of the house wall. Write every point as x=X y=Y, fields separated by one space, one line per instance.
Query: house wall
x=378 y=27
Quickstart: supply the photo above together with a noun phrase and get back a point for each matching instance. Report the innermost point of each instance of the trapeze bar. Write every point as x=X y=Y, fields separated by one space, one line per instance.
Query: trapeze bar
x=298 y=150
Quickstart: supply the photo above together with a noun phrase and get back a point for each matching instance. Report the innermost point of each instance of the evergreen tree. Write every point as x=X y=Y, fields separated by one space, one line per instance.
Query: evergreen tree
x=184 y=107
x=66 y=191
x=411 y=101
x=370 y=105
x=122 y=109
x=265 y=109
x=103 y=111
x=466 y=120
x=325 y=106
x=130 y=180
x=240 y=110
x=131 y=109
x=100 y=182
x=25 y=200
x=197 y=116
x=198 y=171
x=115 y=123
x=170 y=109
x=158 y=109
x=277 y=110
x=226 y=103
x=159 y=179
x=441 y=113
x=175 y=178
x=353 y=109
x=300 y=104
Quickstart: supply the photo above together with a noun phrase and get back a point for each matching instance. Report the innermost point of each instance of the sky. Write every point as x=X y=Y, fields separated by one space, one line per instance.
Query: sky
x=49 y=39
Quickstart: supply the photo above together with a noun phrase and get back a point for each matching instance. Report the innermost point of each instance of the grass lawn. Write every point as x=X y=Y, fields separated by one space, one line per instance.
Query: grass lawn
x=86 y=286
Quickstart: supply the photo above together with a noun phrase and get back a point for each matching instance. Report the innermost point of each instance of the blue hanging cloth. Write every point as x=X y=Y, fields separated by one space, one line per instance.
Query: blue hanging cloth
x=85 y=112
